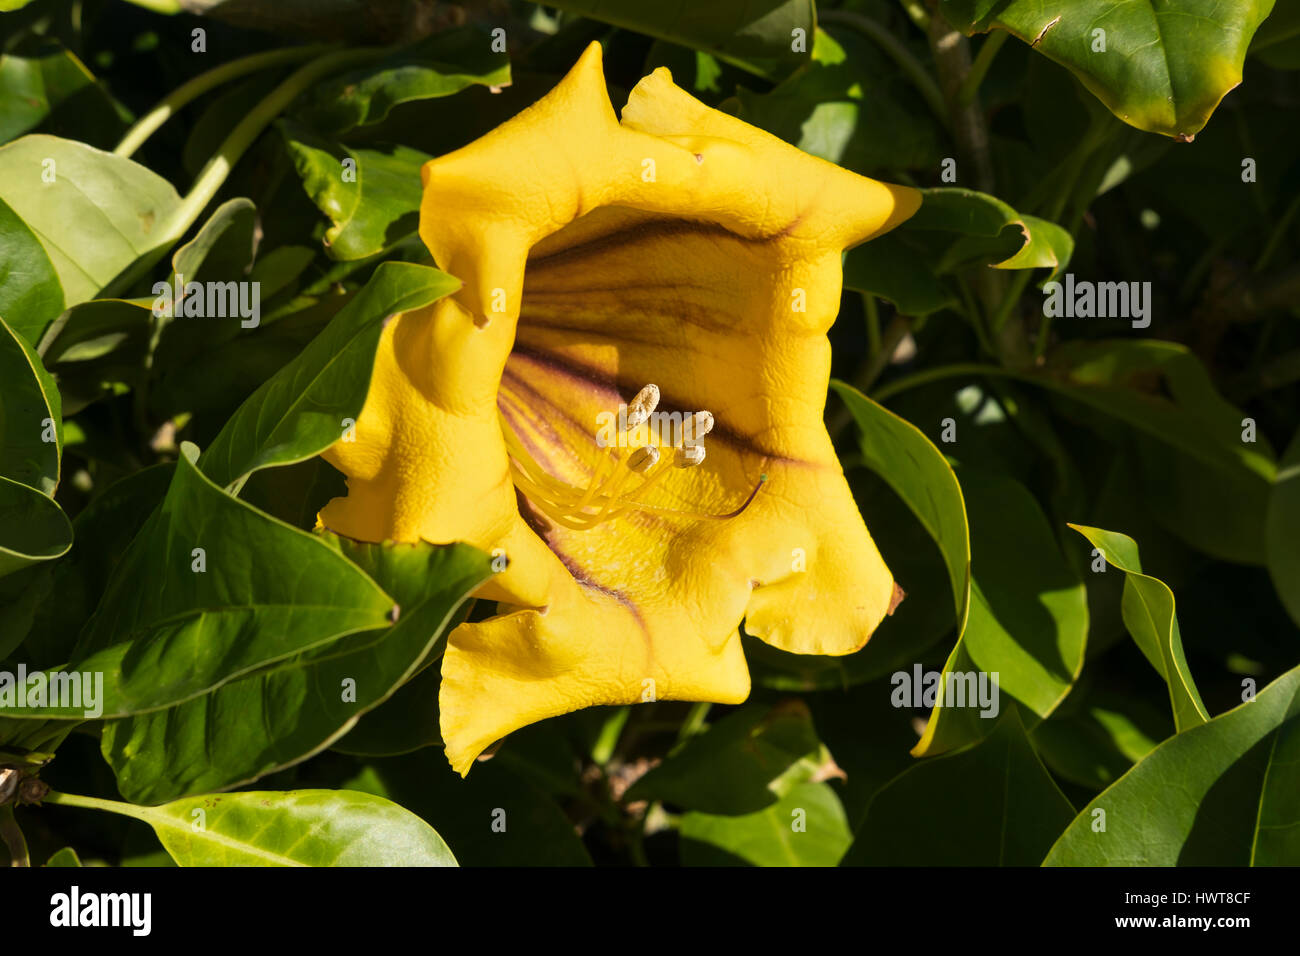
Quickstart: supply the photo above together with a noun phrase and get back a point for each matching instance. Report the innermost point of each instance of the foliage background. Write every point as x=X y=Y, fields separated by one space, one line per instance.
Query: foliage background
x=1171 y=449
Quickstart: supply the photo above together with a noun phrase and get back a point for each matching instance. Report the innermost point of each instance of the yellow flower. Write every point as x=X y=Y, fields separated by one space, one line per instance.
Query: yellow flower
x=679 y=248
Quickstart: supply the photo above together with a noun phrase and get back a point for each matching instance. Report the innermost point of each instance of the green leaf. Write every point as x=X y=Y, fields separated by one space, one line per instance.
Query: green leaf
x=1202 y=481
x=991 y=805
x=94 y=213
x=32 y=527
x=1220 y=794
x=65 y=857
x=102 y=533
x=1148 y=609
x=494 y=816
x=290 y=828
x=1098 y=741
x=35 y=86
x=92 y=330
x=849 y=106
x=1028 y=619
x=806 y=827
x=30 y=294
x=300 y=411
x=743 y=763
x=372 y=204
x=978 y=218
x=1165 y=66
x=954 y=230
x=899 y=452
x=267 y=592
x=757 y=37
x=270 y=719
x=1282 y=530
x=436 y=66
x=31 y=416
x=408 y=721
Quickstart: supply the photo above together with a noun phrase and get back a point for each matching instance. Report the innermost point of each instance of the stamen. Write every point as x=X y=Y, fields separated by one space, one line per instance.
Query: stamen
x=643 y=459
x=689 y=456
x=699 y=425
x=641 y=407
x=604 y=496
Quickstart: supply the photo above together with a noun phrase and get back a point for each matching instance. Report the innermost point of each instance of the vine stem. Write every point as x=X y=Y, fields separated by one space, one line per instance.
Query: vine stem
x=94 y=803
x=897 y=51
x=217 y=168
x=972 y=369
x=13 y=838
x=172 y=104
x=970 y=85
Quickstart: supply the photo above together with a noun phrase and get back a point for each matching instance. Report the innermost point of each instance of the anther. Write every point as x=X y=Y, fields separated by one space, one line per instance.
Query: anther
x=699 y=425
x=643 y=459
x=689 y=456
x=642 y=406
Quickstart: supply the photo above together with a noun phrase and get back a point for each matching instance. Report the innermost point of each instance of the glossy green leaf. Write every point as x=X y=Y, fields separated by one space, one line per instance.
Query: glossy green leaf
x=955 y=229
x=31 y=416
x=991 y=805
x=102 y=532
x=35 y=86
x=301 y=411
x=94 y=213
x=372 y=196
x=1219 y=794
x=743 y=763
x=899 y=452
x=1282 y=530
x=266 y=593
x=436 y=66
x=272 y=718
x=92 y=330
x=1028 y=618
x=756 y=36
x=1159 y=65
x=32 y=527
x=30 y=294
x=1148 y=609
x=806 y=827
x=292 y=828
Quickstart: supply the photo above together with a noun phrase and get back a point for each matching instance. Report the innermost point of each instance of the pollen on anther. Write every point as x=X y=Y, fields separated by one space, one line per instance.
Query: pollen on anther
x=701 y=423
x=644 y=458
x=690 y=456
x=641 y=407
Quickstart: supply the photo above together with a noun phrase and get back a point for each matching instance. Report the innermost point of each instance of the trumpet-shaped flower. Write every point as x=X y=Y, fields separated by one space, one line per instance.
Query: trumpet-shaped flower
x=626 y=400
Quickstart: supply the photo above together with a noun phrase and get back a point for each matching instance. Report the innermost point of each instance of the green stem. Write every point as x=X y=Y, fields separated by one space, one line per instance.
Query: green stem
x=1016 y=290
x=971 y=369
x=694 y=721
x=169 y=106
x=609 y=735
x=897 y=51
x=216 y=170
x=873 y=322
x=1277 y=235
x=13 y=838
x=95 y=803
x=970 y=85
